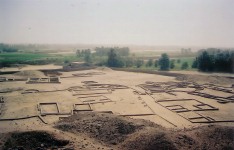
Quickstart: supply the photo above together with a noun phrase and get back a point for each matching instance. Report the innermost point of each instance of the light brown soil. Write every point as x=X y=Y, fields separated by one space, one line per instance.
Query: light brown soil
x=172 y=129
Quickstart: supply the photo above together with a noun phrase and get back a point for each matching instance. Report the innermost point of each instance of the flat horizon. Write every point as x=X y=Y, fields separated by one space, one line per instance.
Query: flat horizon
x=185 y=23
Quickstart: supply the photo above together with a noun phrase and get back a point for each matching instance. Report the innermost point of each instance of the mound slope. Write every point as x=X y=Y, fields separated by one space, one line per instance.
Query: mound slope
x=131 y=134
x=106 y=128
x=33 y=140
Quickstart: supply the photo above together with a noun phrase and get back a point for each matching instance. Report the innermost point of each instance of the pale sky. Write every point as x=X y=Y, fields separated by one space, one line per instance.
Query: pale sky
x=140 y=22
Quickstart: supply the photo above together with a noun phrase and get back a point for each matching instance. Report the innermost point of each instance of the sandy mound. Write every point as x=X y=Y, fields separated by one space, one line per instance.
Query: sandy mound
x=107 y=128
x=103 y=69
x=33 y=140
x=131 y=134
x=206 y=79
x=207 y=137
x=30 y=74
x=149 y=139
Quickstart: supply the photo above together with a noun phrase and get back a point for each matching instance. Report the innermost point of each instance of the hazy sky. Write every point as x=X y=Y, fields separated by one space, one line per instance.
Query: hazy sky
x=141 y=22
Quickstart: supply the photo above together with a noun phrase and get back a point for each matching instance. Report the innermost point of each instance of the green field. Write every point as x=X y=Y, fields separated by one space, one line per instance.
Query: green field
x=7 y=59
x=182 y=60
x=177 y=65
x=15 y=57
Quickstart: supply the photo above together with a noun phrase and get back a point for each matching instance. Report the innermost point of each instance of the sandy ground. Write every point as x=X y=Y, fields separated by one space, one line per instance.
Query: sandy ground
x=21 y=111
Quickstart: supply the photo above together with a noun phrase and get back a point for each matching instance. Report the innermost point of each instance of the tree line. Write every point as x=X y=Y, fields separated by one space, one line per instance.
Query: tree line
x=119 y=57
x=7 y=48
x=214 y=60
x=104 y=51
